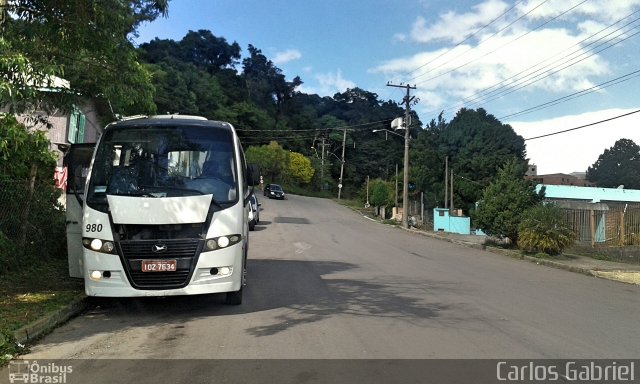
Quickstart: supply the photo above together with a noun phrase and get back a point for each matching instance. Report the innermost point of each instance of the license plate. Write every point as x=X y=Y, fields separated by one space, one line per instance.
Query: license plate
x=158 y=265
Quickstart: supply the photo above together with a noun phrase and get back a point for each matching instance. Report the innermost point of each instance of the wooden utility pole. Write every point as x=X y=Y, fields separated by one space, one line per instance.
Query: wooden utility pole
x=446 y=181
x=396 y=181
x=407 y=124
x=322 y=167
x=344 y=140
x=451 y=205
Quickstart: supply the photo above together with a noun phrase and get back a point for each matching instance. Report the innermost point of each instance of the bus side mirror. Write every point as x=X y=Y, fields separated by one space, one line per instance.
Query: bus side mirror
x=253 y=175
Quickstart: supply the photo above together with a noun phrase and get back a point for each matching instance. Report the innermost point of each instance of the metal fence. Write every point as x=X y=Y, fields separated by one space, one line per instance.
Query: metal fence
x=31 y=220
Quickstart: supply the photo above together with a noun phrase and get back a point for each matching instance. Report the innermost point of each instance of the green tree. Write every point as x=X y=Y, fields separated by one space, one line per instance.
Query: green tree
x=499 y=211
x=427 y=163
x=300 y=168
x=21 y=150
x=272 y=159
x=543 y=229
x=266 y=82
x=35 y=216
x=477 y=145
x=618 y=165
x=85 y=42
x=207 y=51
x=380 y=193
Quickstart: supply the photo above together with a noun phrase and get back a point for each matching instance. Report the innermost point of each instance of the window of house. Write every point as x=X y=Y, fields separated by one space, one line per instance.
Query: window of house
x=75 y=131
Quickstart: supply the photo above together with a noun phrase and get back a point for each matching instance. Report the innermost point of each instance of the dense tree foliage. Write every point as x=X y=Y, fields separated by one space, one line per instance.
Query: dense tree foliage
x=207 y=75
x=618 y=165
x=478 y=145
x=300 y=168
x=85 y=42
x=281 y=166
x=381 y=193
x=22 y=151
x=30 y=215
x=264 y=106
x=499 y=211
x=272 y=159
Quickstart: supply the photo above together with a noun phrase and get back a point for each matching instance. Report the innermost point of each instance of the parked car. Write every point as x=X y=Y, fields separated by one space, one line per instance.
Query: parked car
x=275 y=192
x=254 y=212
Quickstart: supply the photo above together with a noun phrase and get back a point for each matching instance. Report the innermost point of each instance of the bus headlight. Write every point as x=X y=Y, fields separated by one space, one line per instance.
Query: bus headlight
x=99 y=245
x=221 y=242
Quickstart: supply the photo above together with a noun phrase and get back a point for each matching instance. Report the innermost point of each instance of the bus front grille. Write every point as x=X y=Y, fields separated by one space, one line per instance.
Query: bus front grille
x=183 y=251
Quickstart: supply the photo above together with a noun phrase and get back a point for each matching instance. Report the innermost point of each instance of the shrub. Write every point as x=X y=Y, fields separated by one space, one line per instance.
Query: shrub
x=503 y=202
x=542 y=229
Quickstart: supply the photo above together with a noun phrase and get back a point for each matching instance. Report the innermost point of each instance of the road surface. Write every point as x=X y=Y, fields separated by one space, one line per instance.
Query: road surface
x=327 y=283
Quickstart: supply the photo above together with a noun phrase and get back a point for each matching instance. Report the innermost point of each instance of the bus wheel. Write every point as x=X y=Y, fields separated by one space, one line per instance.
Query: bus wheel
x=234 y=298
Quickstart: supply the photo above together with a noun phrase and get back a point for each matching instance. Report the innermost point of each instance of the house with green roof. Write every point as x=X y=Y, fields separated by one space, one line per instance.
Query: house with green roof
x=608 y=216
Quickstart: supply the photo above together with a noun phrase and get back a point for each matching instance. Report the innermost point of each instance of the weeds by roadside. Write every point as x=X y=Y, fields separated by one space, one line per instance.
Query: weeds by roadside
x=28 y=295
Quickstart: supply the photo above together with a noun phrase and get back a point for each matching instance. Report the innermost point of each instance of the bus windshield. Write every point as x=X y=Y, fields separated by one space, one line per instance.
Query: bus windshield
x=164 y=161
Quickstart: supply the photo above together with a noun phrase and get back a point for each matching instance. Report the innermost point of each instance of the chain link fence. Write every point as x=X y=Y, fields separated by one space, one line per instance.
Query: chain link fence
x=32 y=223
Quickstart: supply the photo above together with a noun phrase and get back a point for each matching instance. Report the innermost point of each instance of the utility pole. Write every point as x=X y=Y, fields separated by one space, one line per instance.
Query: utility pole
x=407 y=123
x=367 y=205
x=322 y=167
x=344 y=140
x=396 y=181
x=446 y=181
x=451 y=205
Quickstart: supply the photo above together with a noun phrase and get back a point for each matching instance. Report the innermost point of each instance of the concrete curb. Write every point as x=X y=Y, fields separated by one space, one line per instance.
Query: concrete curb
x=51 y=320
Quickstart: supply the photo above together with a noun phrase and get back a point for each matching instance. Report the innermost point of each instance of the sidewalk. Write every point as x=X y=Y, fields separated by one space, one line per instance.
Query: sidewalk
x=622 y=272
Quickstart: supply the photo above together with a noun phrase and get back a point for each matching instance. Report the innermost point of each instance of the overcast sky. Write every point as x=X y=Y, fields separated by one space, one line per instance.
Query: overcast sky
x=539 y=65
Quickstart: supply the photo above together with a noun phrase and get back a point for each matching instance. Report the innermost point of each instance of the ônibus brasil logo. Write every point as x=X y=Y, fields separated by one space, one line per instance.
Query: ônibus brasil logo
x=25 y=371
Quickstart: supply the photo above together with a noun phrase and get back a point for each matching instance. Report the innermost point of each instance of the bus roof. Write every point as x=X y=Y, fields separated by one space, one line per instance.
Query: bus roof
x=168 y=120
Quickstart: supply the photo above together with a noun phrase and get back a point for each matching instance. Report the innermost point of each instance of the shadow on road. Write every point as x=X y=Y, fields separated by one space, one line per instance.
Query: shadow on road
x=308 y=291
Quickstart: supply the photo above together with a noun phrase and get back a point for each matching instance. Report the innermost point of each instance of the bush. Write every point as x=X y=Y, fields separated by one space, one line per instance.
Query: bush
x=542 y=229
x=503 y=202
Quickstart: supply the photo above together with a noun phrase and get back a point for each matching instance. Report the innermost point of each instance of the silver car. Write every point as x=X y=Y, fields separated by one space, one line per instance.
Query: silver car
x=254 y=216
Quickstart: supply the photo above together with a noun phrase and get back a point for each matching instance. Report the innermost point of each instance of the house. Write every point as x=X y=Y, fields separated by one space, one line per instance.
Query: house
x=80 y=125
x=560 y=179
x=605 y=216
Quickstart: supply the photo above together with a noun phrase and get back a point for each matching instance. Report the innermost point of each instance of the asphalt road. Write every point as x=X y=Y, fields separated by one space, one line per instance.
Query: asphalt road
x=325 y=282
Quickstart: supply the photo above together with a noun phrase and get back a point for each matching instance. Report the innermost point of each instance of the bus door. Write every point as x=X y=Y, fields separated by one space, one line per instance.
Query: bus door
x=77 y=160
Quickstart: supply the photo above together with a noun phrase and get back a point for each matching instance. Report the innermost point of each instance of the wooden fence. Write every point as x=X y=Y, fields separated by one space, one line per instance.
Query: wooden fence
x=610 y=224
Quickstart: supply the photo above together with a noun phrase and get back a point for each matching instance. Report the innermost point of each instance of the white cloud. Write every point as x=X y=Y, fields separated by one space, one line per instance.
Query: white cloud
x=456 y=27
x=527 y=63
x=576 y=150
x=328 y=84
x=286 y=56
x=399 y=37
x=605 y=11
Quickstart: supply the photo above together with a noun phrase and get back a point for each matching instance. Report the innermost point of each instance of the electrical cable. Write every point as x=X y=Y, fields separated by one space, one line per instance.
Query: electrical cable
x=583 y=126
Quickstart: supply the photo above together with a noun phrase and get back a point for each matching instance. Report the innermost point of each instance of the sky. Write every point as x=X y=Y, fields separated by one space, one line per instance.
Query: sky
x=541 y=66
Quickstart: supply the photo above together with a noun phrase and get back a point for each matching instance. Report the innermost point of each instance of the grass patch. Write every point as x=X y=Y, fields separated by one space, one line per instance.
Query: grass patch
x=28 y=295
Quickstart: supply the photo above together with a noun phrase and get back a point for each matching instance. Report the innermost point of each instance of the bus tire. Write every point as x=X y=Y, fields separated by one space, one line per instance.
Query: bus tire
x=234 y=298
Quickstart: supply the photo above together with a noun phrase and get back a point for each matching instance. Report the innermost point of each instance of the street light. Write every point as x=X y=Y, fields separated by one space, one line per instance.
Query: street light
x=388 y=131
x=405 y=182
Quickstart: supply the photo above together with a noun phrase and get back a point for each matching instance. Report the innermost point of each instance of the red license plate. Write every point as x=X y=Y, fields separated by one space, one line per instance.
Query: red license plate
x=159 y=265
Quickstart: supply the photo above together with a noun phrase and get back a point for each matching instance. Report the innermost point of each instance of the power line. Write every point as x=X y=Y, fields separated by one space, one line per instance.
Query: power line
x=502 y=46
x=479 y=44
x=497 y=89
x=583 y=126
x=317 y=129
x=463 y=41
x=575 y=95
x=554 y=70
